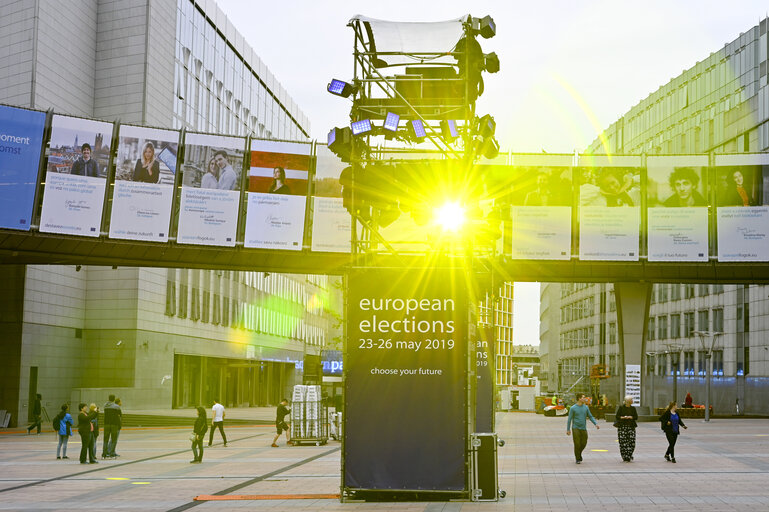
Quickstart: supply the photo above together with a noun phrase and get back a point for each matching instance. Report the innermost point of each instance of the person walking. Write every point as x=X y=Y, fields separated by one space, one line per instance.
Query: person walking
x=280 y=423
x=37 y=414
x=626 y=423
x=578 y=415
x=217 y=420
x=84 y=427
x=199 y=432
x=112 y=423
x=670 y=422
x=64 y=431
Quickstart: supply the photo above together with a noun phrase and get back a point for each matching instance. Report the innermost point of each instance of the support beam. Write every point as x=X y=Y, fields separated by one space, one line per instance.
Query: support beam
x=633 y=301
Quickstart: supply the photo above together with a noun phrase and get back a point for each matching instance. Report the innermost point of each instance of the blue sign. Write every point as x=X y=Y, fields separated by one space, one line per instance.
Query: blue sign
x=332 y=362
x=21 y=138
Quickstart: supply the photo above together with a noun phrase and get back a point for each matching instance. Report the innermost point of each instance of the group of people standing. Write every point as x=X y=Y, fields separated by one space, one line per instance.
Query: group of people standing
x=88 y=429
x=626 y=422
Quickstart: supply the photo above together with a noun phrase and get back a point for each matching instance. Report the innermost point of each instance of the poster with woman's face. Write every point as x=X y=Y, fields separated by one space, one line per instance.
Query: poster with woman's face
x=145 y=170
x=609 y=186
x=78 y=165
x=742 y=196
x=277 y=194
x=210 y=198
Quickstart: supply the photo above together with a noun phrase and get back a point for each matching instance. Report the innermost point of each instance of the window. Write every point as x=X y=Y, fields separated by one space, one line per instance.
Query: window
x=701 y=363
x=183 y=294
x=688 y=324
x=662 y=327
x=689 y=362
x=651 y=368
x=689 y=291
x=675 y=292
x=170 y=297
x=703 y=290
x=206 y=306
x=718 y=362
x=703 y=317
x=195 y=304
x=718 y=288
x=663 y=292
x=718 y=320
x=225 y=311
x=650 y=329
x=675 y=326
x=612 y=332
x=217 y=310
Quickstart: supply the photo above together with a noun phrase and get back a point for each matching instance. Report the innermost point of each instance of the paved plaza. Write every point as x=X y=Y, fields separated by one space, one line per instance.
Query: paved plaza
x=722 y=465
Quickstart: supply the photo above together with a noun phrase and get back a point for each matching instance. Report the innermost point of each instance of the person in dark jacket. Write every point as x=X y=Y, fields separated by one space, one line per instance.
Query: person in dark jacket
x=669 y=422
x=113 y=419
x=200 y=428
x=84 y=427
x=93 y=416
x=147 y=169
x=625 y=421
x=280 y=423
x=37 y=413
x=85 y=165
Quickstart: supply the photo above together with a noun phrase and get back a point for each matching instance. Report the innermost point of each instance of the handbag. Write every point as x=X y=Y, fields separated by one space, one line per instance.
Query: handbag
x=193 y=437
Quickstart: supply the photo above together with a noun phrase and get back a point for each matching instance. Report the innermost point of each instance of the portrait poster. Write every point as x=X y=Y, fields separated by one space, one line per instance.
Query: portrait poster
x=609 y=215
x=277 y=195
x=742 y=196
x=21 y=142
x=331 y=222
x=541 y=213
x=677 y=210
x=210 y=198
x=76 y=176
x=144 y=183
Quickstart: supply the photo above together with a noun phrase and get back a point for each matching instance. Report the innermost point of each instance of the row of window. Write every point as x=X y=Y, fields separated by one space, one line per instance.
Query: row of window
x=693 y=362
x=583 y=308
x=657 y=327
x=662 y=292
x=577 y=338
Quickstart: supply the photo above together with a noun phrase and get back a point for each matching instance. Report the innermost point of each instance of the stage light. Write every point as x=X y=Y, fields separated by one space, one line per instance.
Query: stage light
x=487 y=126
x=339 y=143
x=417 y=130
x=485 y=27
x=491 y=148
x=340 y=88
x=450 y=216
x=491 y=62
x=391 y=122
x=361 y=127
x=449 y=130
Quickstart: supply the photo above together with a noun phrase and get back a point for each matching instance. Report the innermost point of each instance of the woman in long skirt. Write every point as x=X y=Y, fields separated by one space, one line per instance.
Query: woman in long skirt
x=625 y=421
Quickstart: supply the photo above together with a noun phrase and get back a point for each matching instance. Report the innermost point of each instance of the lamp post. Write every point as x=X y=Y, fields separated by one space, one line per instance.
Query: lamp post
x=708 y=364
x=675 y=358
x=653 y=374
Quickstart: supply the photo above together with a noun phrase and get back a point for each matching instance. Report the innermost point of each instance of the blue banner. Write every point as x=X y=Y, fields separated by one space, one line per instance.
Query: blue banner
x=21 y=138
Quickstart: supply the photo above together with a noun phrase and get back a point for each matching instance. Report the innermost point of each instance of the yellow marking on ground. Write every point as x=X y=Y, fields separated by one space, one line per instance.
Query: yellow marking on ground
x=118 y=478
x=599 y=450
x=140 y=483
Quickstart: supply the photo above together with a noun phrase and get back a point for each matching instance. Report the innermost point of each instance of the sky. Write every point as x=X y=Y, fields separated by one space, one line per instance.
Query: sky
x=568 y=68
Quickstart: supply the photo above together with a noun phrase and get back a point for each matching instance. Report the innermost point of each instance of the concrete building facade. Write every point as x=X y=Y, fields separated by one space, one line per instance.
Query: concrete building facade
x=158 y=338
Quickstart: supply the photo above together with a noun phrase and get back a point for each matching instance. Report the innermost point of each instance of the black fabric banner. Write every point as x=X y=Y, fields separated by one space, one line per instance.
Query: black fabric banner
x=406 y=381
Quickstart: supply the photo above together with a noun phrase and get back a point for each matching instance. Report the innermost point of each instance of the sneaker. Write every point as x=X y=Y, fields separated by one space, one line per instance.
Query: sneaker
x=196 y=461
x=58 y=457
x=667 y=457
x=579 y=462
x=65 y=457
x=290 y=442
x=94 y=462
x=225 y=445
x=274 y=445
x=673 y=460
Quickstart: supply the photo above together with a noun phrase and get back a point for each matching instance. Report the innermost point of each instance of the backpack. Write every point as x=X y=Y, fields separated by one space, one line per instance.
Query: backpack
x=57 y=422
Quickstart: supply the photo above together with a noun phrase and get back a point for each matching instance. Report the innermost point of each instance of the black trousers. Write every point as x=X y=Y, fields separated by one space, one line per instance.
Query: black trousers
x=35 y=423
x=85 y=446
x=197 y=448
x=219 y=424
x=672 y=438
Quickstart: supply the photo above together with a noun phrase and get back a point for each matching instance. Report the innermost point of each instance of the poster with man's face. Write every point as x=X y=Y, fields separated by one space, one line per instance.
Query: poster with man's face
x=78 y=166
x=211 y=184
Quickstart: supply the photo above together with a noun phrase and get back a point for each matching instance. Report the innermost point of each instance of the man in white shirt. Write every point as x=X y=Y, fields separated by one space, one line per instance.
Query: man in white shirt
x=228 y=179
x=217 y=415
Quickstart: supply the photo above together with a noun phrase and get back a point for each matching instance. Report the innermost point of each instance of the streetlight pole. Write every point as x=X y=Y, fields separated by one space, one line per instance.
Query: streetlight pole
x=674 y=350
x=653 y=374
x=708 y=364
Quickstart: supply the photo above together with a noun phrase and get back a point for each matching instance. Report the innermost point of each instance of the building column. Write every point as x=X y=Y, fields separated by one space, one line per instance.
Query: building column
x=633 y=301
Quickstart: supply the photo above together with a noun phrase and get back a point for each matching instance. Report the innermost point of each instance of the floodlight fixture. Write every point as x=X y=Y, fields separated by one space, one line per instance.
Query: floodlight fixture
x=340 y=88
x=450 y=216
x=491 y=148
x=491 y=62
x=339 y=142
x=361 y=127
x=391 y=122
x=417 y=130
x=487 y=126
x=449 y=130
x=485 y=27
